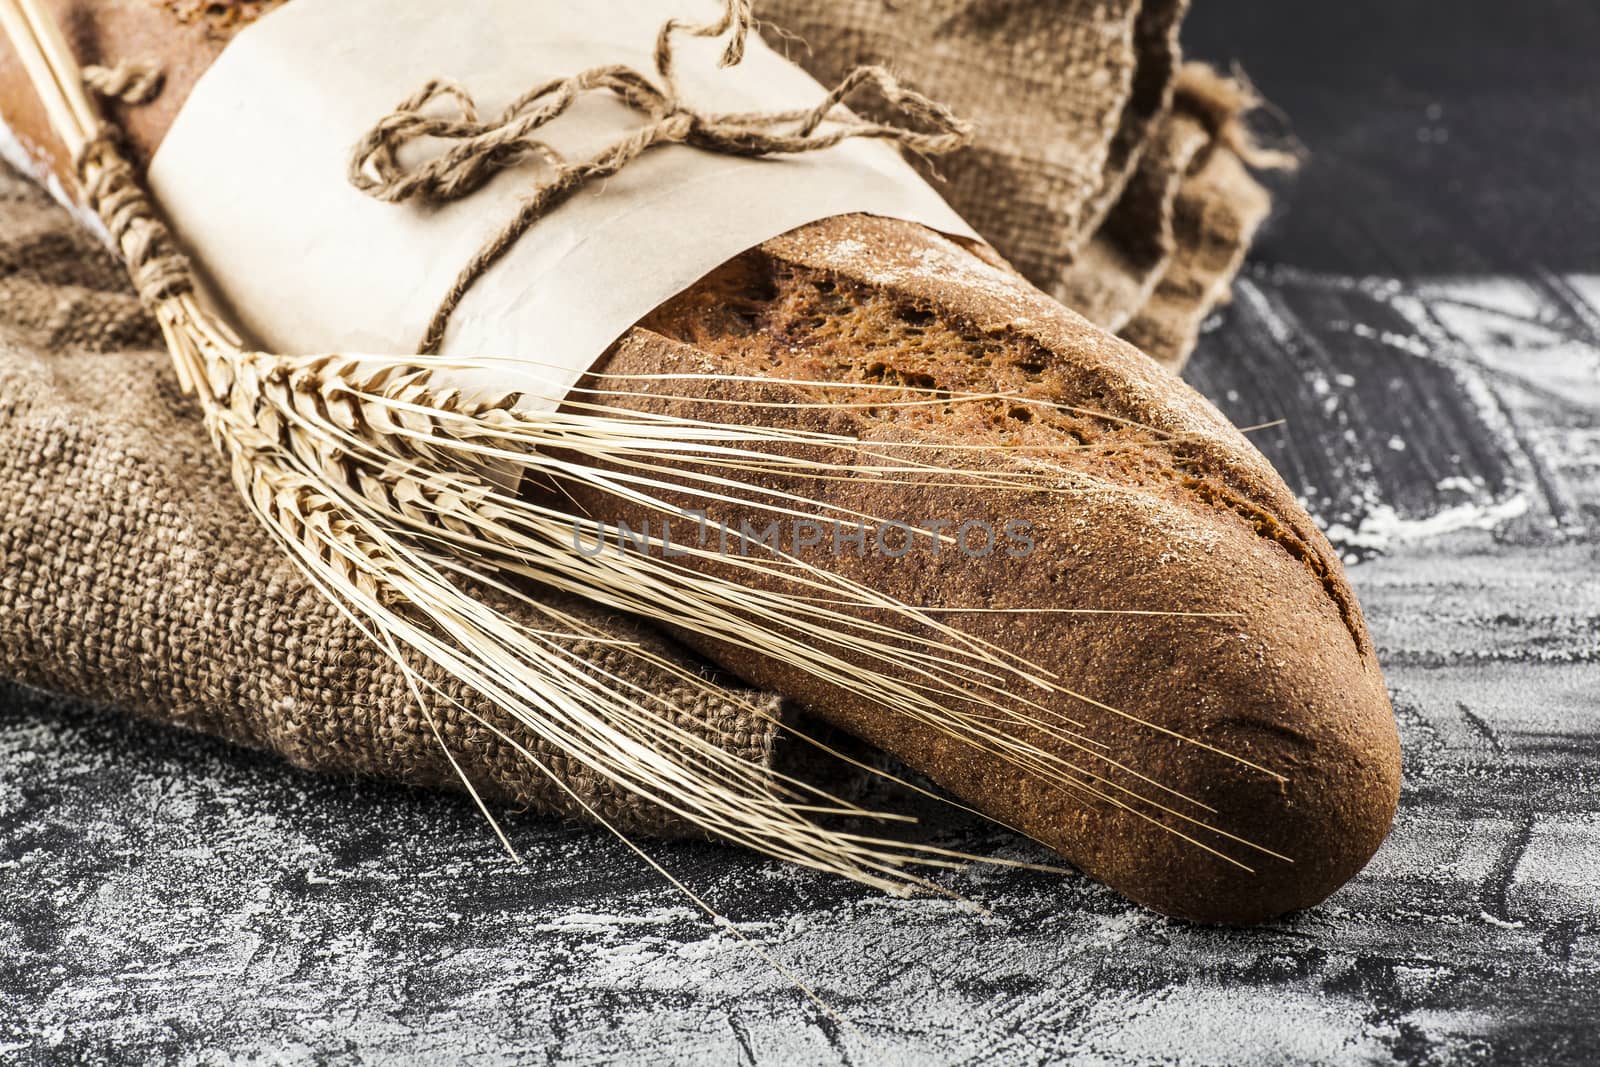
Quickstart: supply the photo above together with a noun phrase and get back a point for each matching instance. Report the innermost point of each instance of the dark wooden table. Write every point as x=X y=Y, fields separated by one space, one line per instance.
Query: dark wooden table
x=1424 y=313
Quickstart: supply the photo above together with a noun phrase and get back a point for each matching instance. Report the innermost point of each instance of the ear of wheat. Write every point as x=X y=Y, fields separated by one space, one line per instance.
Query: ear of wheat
x=396 y=495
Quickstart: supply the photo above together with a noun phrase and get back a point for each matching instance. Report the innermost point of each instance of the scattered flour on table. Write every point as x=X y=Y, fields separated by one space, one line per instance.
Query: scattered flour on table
x=1383 y=528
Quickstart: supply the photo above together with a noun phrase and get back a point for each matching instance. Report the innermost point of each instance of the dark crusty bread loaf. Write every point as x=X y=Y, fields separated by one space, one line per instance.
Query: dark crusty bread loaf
x=1162 y=506
x=1176 y=512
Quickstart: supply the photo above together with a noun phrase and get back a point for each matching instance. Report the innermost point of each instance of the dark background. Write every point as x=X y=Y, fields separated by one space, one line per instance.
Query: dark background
x=1422 y=311
x=1514 y=184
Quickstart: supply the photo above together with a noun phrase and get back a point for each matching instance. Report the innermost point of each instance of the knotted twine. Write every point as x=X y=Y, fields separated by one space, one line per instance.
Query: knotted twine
x=130 y=82
x=483 y=149
x=111 y=189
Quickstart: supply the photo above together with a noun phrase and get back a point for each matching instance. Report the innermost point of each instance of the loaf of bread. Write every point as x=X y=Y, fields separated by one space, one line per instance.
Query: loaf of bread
x=1244 y=760
x=1170 y=510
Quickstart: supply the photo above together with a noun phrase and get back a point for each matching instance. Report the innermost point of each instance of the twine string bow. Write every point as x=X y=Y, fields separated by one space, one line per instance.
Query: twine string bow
x=483 y=149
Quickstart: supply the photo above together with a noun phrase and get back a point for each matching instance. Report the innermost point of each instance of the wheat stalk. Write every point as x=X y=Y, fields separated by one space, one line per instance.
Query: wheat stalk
x=395 y=494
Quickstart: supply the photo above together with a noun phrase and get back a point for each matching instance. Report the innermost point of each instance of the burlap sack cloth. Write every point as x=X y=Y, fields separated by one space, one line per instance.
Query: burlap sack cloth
x=132 y=576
